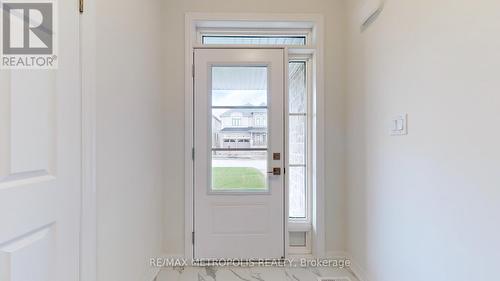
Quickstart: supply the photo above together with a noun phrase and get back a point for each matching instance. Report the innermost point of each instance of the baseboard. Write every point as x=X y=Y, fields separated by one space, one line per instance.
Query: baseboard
x=152 y=274
x=173 y=256
x=357 y=270
x=336 y=255
x=355 y=267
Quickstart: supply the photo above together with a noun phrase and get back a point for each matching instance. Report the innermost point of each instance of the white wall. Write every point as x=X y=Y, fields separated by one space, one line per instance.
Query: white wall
x=334 y=12
x=131 y=152
x=425 y=206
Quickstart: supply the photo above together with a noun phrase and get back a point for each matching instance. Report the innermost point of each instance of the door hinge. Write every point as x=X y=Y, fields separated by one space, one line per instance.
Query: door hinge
x=192 y=153
x=192 y=237
x=80 y=6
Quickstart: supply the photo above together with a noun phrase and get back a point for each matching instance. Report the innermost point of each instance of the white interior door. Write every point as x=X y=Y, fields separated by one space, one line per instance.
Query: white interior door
x=238 y=201
x=40 y=146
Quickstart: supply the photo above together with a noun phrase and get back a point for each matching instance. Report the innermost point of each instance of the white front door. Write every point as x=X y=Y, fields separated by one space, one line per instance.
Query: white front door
x=40 y=163
x=238 y=201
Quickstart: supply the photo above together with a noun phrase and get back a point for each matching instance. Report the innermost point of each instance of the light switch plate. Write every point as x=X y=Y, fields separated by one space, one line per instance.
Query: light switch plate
x=399 y=125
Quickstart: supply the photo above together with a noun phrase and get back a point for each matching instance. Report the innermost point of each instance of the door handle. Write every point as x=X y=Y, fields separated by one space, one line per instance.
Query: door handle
x=275 y=172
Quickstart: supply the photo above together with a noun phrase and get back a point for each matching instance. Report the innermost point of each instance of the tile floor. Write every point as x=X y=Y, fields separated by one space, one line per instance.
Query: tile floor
x=253 y=274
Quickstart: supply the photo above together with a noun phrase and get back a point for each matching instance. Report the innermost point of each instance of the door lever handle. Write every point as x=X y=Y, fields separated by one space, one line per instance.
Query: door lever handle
x=275 y=172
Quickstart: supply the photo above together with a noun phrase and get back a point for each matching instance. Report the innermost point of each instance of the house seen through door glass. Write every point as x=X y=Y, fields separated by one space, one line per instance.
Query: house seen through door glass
x=239 y=133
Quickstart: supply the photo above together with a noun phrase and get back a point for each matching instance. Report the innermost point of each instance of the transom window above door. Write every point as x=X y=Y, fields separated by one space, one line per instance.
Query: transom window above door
x=299 y=40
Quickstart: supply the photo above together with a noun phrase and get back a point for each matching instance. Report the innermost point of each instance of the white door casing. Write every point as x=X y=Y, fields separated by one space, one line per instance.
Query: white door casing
x=40 y=164
x=248 y=224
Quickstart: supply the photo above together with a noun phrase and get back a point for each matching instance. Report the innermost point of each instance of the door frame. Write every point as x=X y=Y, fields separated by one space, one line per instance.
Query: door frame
x=88 y=220
x=315 y=22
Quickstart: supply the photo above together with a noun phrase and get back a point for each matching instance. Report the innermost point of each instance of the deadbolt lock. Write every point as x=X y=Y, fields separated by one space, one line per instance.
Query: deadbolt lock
x=276 y=171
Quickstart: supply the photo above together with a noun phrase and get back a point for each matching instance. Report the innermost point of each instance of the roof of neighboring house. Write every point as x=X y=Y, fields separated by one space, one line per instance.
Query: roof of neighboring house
x=244 y=130
x=245 y=112
x=215 y=117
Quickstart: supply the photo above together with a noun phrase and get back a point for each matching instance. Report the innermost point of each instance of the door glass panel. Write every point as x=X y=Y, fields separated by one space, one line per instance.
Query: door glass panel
x=297 y=88
x=297 y=140
x=239 y=86
x=298 y=192
x=239 y=170
x=239 y=128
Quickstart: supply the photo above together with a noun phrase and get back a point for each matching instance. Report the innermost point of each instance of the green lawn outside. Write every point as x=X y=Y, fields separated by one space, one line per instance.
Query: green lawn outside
x=226 y=178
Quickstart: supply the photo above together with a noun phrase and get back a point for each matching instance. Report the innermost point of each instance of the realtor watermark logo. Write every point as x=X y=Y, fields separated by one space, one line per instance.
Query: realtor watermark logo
x=29 y=35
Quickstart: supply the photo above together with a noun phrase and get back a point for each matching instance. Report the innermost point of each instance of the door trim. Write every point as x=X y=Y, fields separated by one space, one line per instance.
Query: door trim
x=88 y=220
x=193 y=21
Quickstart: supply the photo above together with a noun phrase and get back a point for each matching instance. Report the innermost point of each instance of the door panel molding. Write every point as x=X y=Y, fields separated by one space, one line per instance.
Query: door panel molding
x=36 y=249
x=40 y=172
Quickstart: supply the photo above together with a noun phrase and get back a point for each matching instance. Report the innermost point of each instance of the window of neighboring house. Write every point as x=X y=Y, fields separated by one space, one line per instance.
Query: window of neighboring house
x=236 y=121
x=258 y=139
x=258 y=122
x=299 y=133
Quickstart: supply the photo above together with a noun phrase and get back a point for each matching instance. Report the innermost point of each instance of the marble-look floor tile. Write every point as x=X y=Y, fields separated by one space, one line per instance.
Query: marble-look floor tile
x=251 y=274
